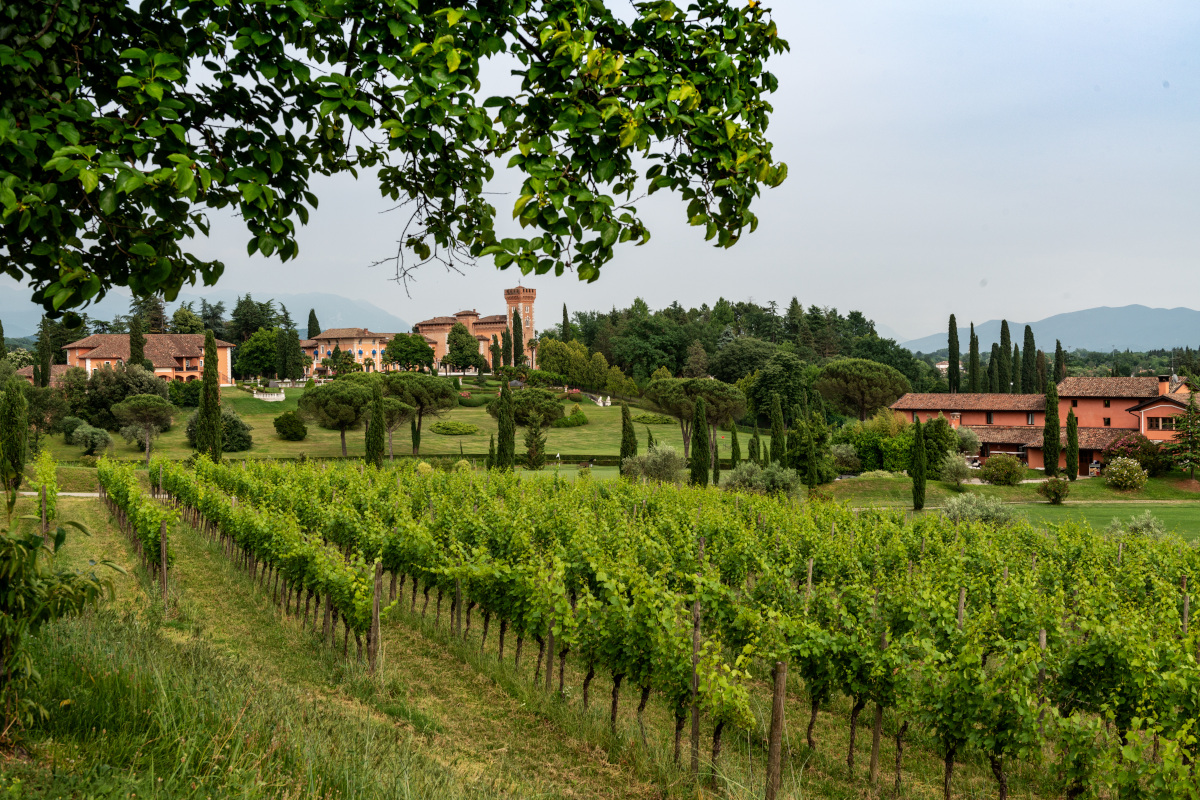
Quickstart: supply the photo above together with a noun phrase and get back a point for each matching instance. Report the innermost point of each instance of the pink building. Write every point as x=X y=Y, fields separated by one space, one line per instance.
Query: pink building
x=175 y=356
x=436 y=330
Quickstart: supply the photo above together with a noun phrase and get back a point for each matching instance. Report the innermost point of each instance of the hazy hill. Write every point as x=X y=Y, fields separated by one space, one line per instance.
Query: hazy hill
x=1136 y=328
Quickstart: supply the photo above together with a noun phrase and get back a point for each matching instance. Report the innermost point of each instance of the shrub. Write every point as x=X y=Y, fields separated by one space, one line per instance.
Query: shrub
x=90 y=439
x=184 y=394
x=970 y=507
x=475 y=400
x=574 y=420
x=1144 y=524
x=955 y=471
x=750 y=477
x=235 y=433
x=1151 y=457
x=462 y=465
x=449 y=427
x=88 y=461
x=1003 y=469
x=424 y=468
x=845 y=459
x=662 y=463
x=878 y=473
x=968 y=442
x=68 y=425
x=529 y=404
x=653 y=419
x=1125 y=474
x=1055 y=490
x=290 y=427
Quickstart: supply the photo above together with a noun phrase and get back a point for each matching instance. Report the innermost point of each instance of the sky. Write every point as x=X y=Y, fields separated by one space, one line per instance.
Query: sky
x=1009 y=159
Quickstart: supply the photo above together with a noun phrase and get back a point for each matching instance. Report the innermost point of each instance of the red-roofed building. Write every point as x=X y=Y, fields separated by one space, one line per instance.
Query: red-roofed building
x=175 y=356
x=436 y=330
x=1107 y=409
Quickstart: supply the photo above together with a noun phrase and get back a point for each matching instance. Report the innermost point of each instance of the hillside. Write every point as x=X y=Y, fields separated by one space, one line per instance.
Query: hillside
x=1134 y=327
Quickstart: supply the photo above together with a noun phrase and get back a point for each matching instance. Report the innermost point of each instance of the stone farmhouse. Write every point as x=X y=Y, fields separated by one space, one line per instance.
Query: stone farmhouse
x=436 y=330
x=175 y=356
x=1107 y=409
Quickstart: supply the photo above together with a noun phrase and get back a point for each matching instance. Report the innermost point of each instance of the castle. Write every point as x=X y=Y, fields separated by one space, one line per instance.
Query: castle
x=436 y=330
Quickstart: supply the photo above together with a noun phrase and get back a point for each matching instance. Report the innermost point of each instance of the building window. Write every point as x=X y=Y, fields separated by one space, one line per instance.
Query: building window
x=1074 y=404
x=1160 y=423
x=1107 y=402
x=989 y=418
x=1029 y=418
x=1108 y=422
x=916 y=417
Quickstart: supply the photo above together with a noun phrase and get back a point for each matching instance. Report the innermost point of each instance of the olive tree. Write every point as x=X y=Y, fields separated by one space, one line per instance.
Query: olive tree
x=148 y=414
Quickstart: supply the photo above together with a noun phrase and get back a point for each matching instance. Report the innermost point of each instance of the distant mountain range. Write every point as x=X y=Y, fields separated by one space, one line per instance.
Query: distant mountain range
x=1137 y=328
x=20 y=317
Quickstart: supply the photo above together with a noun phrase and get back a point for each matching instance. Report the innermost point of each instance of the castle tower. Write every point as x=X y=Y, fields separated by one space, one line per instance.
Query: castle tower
x=521 y=299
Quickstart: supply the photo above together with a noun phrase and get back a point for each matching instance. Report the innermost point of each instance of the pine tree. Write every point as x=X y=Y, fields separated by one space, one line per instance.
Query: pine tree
x=506 y=348
x=1060 y=362
x=754 y=449
x=1185 y=447
x=1029 y=363
x=314 y=327
x=506 y=448
x=518 y=334
x=535 y=445
x=701 y=455
x=917 y=468
x=1051 y=445
x=566 y=325
x=628 y=437
x=735 y=449
x=1018 y=377
x=778 y=431
x=376 y=427
x=993 y=370
x=1004 y=368
x=973 y=374
x=14 y=436
x=952 y=375
x=137 y=342
x=209 y=427
x=491 y=456
x=1072 y=445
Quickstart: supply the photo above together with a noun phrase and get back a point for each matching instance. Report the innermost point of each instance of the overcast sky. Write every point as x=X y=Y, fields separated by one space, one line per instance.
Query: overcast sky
x=992 y=159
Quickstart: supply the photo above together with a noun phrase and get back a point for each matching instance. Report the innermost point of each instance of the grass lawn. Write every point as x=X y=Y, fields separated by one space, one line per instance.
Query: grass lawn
x=1181 y=518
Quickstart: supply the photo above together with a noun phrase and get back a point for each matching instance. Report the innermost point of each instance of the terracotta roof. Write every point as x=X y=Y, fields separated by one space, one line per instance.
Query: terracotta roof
x=352 y=333
x=438 y=321
x=1108 y=387
x=1178 y=398
x=970 y=402
x=493 y=318
x=308 y=343
x=180 y=339
x=161 y=348
x=468 y=313
x=1097 y=438
x=1008 y=434
x=56 y=373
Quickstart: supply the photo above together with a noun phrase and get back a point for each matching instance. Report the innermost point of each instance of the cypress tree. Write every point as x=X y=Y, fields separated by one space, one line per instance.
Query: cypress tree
x=1051 y=432
x=735 y=449
x=1060 y=362
x=414 y=434
x=701 y=453
x=281 y=353
x=1004 y=368
x=810 y=451
x=628 y=437
x=314 y=327
x=3 y=346
x=649 y=439
x=917 y=468
x=794 y=457
x=778 y=431
x=376 y=427
x=993 y=370
x=753 y=451
x=1018 y=378
x=137 y=342
x=209 y=427
x=14 y=434
x=506 y=448
x=1072 y=453
x=973 y=374
x=1040 y=372
x=1029 y=363
x=952 y=375
x=566 y=325
x=518 y=334
x=535 y=445
x=42 y=376
x=491 y=456
x=716 y=463
x=506 y=348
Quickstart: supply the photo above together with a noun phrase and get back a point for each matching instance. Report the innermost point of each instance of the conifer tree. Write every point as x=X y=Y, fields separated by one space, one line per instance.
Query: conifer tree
x=701 y=454
x=974 y=376
x=137 y=341
x=952 y=375
x=491 y=456
x=209 y=426
x=535 y=445
x=566 y=325
x=917 y=467
x=497 y=354
x=14 y=436
x=754 y=450
x=778 y=431
x=518 y=334
x=314 y=327
x=1051 y=445
x=1041 y=371
x=1060 y=362
x=628 y=437
x=1029 y=363
x=1004 y=368
x=506 y=347
x=735 y=449
x=506 y=448
x=3 y=346
x=649 y=439
x=716 y=463
x=993 y=370
x=414 y=435
x=42 y=371
x=1072 y=453
x=376 y=427
x=1185 y=446
x=1018 y=381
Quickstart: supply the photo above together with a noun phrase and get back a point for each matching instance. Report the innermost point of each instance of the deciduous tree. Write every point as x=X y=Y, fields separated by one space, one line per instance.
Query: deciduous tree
x=149 y=413
x=408 y=351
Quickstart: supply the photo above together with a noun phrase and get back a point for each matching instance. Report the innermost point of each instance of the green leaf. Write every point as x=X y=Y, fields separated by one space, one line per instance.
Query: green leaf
x=134 y=53
x=89 y=179
x=452 y=60
x=142 y=249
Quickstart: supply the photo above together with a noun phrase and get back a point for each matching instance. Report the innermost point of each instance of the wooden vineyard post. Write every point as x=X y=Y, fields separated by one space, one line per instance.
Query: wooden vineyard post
x=1187 y=602
x=549 y=657
x=775 y=744
x=162 y=554
x=962 y=605
x=808 y=589
x=877 y=731
x=373 y=647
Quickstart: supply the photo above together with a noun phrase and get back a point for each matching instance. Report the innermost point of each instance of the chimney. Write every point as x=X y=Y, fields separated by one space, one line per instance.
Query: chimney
x=1164 y=384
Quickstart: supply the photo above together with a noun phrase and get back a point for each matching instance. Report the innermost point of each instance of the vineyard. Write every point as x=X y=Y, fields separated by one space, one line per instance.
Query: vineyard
x=1069 y=650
